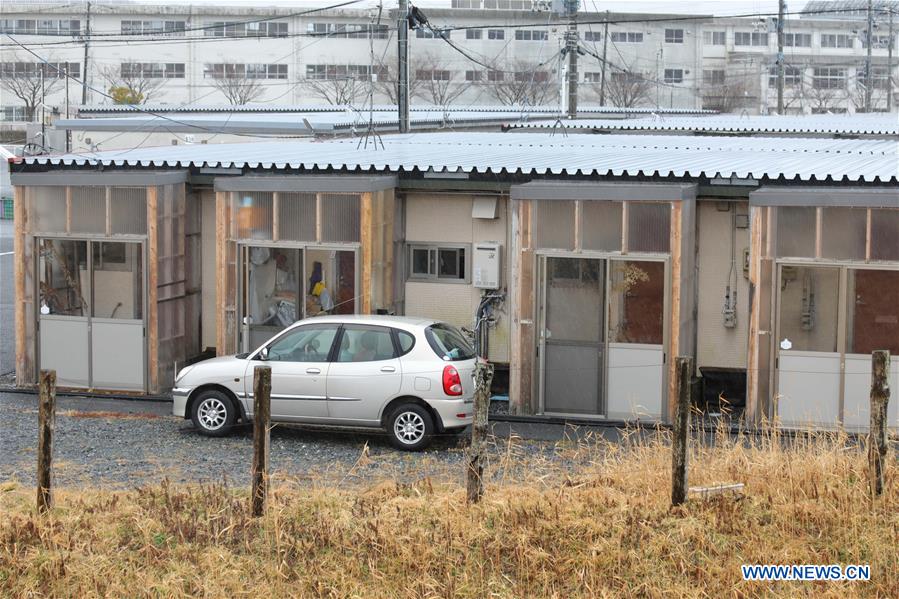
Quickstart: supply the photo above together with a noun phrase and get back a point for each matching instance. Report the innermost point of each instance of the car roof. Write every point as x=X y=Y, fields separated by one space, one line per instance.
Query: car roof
x=373 y=319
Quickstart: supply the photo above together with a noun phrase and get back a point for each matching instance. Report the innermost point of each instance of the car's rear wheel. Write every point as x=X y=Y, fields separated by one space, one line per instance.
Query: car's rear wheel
x=410 y=427
x=213 y=413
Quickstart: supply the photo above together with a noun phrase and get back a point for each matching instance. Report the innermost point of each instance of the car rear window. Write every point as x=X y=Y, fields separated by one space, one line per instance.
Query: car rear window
x=448 y=342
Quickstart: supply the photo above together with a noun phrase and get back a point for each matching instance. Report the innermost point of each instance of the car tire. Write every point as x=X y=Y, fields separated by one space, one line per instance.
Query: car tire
x=213 y=413
x=410 y=427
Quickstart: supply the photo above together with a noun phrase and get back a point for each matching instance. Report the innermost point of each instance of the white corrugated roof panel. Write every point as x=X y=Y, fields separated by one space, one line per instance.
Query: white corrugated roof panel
x=537 y=153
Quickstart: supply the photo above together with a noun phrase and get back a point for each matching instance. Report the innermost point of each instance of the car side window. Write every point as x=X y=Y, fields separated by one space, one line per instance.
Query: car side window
x=365 y=344
x=407 y=341
x=304 y=344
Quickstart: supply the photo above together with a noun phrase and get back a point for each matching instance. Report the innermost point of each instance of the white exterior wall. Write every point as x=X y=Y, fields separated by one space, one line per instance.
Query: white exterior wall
x=718 y=346
x=435 y=218
x=649 y=58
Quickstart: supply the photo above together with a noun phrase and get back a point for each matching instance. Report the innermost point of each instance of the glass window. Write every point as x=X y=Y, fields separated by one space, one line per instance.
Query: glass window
x=424 y=261
x=636 y=302
x=451 y=263
x=843 y=233
x=254 y=215
x=809 y=300
x=873 y=311
x=473 y=34
x=674 y=75
x=63 y=276
x=674 y=36
x=885 y=235
x=714 y=38
x=310 y=343
x=796 y=231
x=118 y=280
x=407 y=341
x=448 y=342
x=365 y=344
x=649 y=227
x=496 y=34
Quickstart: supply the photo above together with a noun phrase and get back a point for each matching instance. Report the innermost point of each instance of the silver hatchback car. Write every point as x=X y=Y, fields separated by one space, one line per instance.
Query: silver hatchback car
x=409 y=376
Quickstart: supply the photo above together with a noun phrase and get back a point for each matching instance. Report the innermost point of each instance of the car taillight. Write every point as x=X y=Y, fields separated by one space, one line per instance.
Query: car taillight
x=452 y=384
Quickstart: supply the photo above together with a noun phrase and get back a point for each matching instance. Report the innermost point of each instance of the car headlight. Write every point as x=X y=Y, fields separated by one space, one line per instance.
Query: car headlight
x=182 y=373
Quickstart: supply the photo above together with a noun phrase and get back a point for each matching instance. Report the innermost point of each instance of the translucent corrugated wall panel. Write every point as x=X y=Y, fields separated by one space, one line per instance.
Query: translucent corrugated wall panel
x=552 y=224
x=340 y=217
x=253 y=211
x=885 y=235
x=88 y=209
x=296 y=216
x=649 y=227
x=843 y=233
x=48 y=209
x=601 y=226
x=796 y=231
x=128 y=210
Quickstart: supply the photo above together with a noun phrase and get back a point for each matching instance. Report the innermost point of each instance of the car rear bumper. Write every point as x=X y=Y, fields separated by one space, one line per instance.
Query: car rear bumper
x=179 y=402
x=454 y=413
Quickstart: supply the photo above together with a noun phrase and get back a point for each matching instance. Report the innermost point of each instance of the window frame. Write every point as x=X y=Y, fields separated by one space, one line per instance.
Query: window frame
x=300 y=329
x=674 y=36
x=390 y=331
x=434 y=249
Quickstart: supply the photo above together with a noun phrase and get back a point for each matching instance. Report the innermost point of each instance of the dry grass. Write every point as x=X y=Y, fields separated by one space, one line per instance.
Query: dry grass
x=600 y=528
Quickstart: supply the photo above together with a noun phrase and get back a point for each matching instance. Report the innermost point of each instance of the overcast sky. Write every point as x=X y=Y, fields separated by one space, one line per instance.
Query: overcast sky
x=717 y=7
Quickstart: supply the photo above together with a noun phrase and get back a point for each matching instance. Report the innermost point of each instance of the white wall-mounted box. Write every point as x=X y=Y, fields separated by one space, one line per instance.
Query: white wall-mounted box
x=486 y=265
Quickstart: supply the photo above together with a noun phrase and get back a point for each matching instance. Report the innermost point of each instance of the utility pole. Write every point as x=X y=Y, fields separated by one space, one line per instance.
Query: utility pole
x=402 y=79
x=65 y=74
x=572 y=46
x=84 y=68
x=869 y=37
x=890 y=63
x=605 y=46
x=781 y=9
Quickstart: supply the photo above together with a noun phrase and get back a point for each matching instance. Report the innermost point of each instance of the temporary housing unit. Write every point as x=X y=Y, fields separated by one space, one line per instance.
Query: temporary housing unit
x=590 y=262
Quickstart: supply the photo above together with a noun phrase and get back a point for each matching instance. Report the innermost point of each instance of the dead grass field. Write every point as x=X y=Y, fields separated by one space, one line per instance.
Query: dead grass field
x=604 y=528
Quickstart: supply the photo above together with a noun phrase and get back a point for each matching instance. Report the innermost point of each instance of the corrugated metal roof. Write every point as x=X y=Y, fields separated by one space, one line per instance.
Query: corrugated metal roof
x=857 y=124
x=537 y=153
x=313 y=108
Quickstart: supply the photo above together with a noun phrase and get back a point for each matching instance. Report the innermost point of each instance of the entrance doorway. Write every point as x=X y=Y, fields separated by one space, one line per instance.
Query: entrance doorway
x=281 y=285
x=91 y=313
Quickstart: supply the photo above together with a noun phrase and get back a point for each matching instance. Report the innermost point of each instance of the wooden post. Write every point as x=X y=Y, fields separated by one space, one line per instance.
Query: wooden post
x=474 y=484
x=46 y=416
x=684 y=370
x=877 y=437
x=262 y=389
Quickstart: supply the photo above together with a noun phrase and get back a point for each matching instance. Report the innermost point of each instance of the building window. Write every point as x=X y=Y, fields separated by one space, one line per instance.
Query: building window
x=473 y=76
x=433 y=75
x=674 y=75
x=494 y=76
x=243 y=29
x=473 y=34
x=438 y=262
x=534 y=35
x=152 y=70
x=792 y=76
x=713 y=76
x=14 y=113
x=496 y=34
x=835 y=40
x=592 y=77
x=798 y=40
x=130 y=27
x=50 y=70
x=42 y=26
x=674 y=36
x=750 y=38
x=878 y=77
x=622 y=37
x=829 y=78
x=344 y=30
x=324 y=72
x=245 y=71
x=881 y=42
x=714 y=38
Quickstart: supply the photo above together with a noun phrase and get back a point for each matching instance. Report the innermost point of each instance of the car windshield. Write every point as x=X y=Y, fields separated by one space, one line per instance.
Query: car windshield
x=448 y=342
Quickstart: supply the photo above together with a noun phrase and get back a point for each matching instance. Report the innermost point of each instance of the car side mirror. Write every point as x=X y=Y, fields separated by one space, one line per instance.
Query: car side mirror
x=263 y=354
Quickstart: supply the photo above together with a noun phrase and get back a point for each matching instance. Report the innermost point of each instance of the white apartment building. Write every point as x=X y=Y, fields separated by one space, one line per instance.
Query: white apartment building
x=495 y=52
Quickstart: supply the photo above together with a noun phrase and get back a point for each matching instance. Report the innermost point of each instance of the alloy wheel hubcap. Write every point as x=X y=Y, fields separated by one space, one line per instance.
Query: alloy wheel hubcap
x=409 y=428
x=212 y=413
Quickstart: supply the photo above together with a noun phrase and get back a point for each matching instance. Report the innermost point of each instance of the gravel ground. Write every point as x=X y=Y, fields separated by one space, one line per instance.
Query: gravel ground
x=120 y=443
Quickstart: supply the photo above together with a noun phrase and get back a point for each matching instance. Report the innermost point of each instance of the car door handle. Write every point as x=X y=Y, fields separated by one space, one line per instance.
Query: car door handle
x=388 y=369
x=313 y=371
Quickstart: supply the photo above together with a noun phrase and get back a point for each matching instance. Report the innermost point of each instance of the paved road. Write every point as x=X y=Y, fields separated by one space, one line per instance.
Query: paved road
x=7 y=293
x=128 y=442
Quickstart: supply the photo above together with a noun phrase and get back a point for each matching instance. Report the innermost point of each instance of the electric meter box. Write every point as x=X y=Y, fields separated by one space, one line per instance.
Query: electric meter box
x=486 y=264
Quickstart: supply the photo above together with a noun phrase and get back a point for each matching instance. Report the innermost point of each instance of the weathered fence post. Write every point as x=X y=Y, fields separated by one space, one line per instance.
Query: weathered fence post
x=684 y=369
x=46 y=417
x=474 y=484
x=262 y=391
x=877 y=437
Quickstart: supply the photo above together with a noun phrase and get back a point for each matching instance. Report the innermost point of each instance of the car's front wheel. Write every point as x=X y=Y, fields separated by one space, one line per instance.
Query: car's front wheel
x=410 y=427
x=213 y=413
